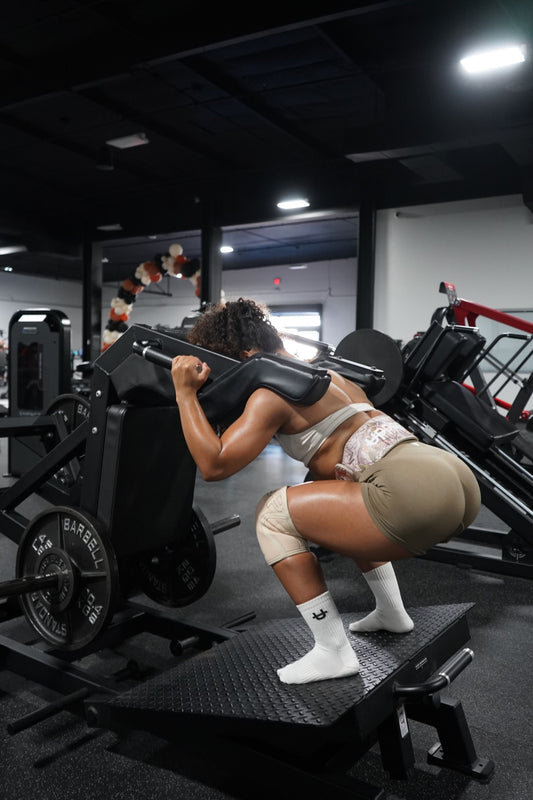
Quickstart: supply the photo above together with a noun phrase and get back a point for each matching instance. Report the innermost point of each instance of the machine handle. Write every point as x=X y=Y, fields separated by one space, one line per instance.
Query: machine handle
x=150 y=353
x=28 y=583
x=445 y=676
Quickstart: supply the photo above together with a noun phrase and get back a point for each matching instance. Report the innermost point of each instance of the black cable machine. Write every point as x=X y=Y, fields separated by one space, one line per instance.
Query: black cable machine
x=80 y=563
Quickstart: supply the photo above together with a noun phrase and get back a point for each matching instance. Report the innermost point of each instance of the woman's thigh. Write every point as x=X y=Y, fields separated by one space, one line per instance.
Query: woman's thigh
x=333 y=514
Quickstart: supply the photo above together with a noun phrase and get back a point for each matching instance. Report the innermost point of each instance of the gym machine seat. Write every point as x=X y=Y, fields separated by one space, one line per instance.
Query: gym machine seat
x=447 y=352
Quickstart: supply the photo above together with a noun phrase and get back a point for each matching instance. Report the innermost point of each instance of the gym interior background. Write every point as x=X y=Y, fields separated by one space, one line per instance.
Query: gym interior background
x=464 y=242
x=448 y=180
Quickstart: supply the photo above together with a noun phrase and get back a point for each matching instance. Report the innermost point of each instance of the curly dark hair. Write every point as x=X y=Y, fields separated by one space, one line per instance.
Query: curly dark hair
x=229 y=328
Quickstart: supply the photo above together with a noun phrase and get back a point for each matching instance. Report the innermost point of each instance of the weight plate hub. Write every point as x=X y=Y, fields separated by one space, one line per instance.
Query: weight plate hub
x=182 y=572
x=55 y=561
x=65 y=541
x=74 y=409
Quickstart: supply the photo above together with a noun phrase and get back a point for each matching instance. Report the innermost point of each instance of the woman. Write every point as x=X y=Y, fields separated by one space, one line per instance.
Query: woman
x=378 y=493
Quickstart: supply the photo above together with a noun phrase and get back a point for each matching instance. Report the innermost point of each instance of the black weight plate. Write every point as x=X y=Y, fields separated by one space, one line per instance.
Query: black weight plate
x=74 y=410
x=376 y=349
x=65 y=540
x=182 y=572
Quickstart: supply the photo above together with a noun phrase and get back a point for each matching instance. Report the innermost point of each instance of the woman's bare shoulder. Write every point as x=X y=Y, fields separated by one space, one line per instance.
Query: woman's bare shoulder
x=267 y=402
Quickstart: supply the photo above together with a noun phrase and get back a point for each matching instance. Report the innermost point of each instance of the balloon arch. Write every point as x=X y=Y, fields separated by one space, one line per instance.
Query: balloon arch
x=173 y=263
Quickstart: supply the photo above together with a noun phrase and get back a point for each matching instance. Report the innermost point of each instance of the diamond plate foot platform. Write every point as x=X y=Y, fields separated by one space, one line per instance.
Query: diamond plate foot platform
x=232 y=692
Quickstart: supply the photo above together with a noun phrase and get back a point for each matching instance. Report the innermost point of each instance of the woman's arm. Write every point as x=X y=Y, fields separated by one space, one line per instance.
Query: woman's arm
x=241 y=442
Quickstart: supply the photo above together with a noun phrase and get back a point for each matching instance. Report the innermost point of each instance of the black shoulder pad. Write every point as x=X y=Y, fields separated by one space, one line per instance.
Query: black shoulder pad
x=294 y=380
x=371 y=379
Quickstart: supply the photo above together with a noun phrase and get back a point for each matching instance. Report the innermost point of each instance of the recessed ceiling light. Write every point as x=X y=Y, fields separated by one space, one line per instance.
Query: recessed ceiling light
x=486 y=60
x=13 y=248
x=226 y=248
x=133 y=140
x=297 y=202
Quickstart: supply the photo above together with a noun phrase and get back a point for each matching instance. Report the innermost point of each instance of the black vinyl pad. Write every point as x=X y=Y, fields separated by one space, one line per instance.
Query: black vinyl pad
x=294 y=380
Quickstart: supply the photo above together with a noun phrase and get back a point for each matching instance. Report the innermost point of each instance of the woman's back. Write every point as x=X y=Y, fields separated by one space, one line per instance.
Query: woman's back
x=317 y=434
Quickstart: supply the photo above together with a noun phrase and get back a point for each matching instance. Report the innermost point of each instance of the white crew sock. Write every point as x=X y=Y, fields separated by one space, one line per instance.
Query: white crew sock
x=332 y=656
x=389 y=614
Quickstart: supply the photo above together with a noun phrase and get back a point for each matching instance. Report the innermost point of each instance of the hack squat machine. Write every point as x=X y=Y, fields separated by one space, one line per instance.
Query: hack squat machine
x=117 y=527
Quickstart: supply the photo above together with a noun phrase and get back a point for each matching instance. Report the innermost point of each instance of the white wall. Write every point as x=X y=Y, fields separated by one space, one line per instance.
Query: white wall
x=484 y=247
x=331 y=283
x=23 y=291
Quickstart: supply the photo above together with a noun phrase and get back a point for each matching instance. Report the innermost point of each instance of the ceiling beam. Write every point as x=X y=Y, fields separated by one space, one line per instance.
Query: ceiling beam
x=154 y=41
x=148 y=122
x=250 y=100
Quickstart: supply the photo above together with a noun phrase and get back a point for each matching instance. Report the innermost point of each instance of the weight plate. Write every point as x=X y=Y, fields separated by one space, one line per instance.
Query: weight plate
x=74 y=410
x=68 y=542
x=368 y=346
x=182 y=572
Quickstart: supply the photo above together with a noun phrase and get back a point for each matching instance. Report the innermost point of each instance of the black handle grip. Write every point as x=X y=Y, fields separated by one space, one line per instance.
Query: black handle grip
x=445 y=676
x=149 y=352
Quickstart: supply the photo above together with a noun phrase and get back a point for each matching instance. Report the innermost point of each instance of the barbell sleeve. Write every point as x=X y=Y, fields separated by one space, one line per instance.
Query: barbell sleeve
x=225 y=524
x=28 y=583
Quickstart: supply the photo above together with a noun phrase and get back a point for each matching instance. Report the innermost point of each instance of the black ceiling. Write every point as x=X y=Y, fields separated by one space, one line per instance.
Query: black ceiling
x=338 y=101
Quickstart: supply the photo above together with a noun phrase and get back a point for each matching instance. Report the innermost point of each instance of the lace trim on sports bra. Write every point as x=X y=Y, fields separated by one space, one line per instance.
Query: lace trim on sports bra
x=303 y=446
x=368 y=444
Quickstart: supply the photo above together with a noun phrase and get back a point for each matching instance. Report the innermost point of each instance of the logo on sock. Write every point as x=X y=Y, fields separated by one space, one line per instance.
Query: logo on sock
x=320 y=615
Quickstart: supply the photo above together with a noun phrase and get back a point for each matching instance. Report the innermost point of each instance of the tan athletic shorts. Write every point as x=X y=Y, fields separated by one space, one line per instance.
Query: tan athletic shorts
x=419 y=495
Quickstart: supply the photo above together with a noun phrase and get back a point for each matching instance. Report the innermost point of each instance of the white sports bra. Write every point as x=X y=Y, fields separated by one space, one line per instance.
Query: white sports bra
x=303 y=446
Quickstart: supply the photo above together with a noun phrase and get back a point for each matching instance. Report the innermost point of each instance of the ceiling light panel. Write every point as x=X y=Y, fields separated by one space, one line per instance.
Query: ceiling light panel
x=125 y=142
x=488 y=60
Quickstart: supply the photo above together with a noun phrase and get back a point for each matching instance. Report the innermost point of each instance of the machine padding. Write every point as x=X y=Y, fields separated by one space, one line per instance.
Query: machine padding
x=297 y=382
